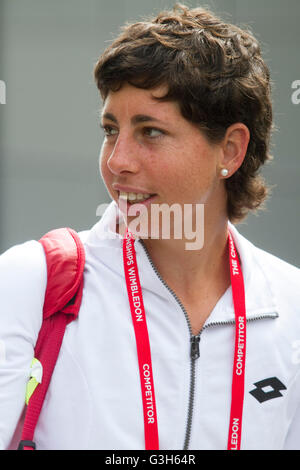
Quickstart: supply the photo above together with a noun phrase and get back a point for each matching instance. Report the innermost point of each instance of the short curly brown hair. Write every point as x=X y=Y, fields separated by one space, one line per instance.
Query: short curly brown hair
x=215 y=71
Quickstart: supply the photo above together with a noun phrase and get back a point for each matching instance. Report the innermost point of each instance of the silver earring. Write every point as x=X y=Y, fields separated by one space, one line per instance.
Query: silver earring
x=224 y=172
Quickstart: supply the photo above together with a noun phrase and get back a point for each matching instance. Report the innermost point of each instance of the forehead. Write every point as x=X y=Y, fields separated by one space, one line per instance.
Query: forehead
x=130 y=100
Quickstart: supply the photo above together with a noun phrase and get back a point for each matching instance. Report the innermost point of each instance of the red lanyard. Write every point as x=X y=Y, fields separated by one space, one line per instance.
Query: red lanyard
x=142 y=342
x=144 y=354
x=239 y=361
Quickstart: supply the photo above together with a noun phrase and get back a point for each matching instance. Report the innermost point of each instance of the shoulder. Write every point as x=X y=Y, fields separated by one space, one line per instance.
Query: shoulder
x=278 y=277
x=274 y=267
x=23 y=259
x=23 y=283
x=28 y=258
x=277 y=268
x=271 y=281
x=84 y=235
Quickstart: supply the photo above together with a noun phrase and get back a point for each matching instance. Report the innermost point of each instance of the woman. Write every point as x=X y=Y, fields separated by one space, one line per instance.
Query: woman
x=187 y=118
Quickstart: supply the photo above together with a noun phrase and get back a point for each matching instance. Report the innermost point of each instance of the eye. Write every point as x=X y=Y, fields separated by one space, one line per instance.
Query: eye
x=107 y=130
x=150 y=132
x=157 y=132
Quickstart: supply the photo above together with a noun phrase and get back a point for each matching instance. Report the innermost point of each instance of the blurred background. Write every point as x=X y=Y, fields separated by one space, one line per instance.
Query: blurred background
x=49 y=128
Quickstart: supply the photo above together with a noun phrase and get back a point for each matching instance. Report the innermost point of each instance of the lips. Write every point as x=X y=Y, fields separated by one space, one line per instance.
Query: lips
x=127 y=189
x=125 y=205
x=134 y=197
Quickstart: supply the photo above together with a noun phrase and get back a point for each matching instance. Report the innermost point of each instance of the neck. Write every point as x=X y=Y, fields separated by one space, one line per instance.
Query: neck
x=190 y=272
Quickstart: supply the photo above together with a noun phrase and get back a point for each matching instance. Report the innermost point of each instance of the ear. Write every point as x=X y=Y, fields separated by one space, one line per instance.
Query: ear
x=234 y=147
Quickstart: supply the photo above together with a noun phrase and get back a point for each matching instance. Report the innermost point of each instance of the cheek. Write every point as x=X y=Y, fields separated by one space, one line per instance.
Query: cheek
x=101 y=164
x=197 y=177
x=103 y=157
x=104 y=170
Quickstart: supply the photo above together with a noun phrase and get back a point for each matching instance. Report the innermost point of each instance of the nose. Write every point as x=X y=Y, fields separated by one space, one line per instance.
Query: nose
x=124 y=156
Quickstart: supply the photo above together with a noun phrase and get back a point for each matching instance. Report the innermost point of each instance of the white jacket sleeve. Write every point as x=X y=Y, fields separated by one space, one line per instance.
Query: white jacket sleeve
x=23 y=278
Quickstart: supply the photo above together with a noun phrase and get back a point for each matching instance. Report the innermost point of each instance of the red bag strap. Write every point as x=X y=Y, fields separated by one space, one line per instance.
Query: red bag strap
x=65 y=263
x=65 y=259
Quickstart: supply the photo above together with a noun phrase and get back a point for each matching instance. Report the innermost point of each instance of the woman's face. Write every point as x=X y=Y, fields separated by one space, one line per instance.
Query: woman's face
x=150 y=148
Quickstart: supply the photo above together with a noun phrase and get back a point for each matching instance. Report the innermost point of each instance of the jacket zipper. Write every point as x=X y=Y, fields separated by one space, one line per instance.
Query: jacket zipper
x=195 y=354
x=195 y=349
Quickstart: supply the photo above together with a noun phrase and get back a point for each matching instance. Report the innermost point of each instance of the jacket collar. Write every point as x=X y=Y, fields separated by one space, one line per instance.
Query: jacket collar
x=260 y=298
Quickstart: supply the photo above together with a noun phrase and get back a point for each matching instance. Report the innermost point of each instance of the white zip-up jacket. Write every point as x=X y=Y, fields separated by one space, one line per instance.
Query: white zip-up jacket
x=94 y=400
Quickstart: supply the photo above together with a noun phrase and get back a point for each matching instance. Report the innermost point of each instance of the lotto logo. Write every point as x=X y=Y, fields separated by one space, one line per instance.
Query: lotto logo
x=267 y=389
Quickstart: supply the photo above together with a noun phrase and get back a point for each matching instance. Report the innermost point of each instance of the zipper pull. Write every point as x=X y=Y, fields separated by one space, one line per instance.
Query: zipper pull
x=195 y=351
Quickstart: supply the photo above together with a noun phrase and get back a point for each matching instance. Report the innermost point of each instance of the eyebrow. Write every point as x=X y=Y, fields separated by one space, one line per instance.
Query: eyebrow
x=138 y=118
